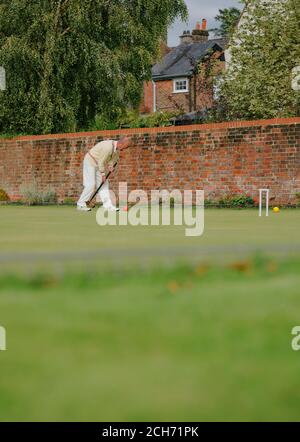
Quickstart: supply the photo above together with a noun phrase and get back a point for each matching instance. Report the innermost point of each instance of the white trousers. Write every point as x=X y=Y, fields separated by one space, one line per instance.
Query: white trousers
x=91 y=179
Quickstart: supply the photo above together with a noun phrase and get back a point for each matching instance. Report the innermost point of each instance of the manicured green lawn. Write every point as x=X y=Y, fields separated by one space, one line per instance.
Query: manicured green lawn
x=63 y=229
x=207 y=340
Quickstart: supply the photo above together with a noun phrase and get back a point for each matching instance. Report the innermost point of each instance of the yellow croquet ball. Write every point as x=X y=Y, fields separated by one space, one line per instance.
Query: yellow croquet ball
x=276 y=210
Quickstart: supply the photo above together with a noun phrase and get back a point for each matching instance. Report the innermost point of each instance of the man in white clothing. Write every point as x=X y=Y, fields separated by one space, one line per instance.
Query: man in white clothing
x=97 y=163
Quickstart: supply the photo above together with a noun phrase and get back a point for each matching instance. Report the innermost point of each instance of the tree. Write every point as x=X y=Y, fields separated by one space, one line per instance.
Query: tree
x=264 y=53
x=68 y=60
x=228 y=19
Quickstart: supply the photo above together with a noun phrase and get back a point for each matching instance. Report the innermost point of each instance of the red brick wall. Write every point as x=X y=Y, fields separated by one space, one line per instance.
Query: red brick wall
x=219 y=158
x=204 y=87
x=167 y=101
x=147 y=101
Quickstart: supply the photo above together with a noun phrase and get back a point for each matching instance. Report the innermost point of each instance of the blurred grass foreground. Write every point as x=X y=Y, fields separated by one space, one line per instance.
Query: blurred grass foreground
x=194 y=342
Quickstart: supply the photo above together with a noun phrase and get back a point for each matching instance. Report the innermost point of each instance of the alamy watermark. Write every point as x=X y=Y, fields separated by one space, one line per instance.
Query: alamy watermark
x=187 y=209
x=2 y=339
x=2 y=79
x=296 y=339
x=296 y=79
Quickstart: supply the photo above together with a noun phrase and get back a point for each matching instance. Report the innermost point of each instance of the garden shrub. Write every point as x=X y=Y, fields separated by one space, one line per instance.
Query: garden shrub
x=237 y=201
x=3 y=196
x=32 y=196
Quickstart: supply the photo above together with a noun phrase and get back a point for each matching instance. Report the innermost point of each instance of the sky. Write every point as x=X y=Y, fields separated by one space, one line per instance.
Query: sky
x=199 y=9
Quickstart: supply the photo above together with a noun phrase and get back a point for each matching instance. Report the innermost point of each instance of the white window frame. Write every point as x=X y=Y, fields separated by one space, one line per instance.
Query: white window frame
x=175 y=91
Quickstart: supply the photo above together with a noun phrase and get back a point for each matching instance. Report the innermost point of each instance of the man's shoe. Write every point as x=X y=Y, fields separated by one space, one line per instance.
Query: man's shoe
x=84 y=209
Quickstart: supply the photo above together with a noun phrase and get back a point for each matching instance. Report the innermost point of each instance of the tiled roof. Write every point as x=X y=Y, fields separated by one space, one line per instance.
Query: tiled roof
x=180 y=62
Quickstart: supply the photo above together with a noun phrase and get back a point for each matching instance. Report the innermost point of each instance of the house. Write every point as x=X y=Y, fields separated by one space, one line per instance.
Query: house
x=177 y=84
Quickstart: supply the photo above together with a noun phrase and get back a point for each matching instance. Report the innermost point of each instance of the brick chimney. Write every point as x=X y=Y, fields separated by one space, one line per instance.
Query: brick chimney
x=186 y=37
x=200 y=33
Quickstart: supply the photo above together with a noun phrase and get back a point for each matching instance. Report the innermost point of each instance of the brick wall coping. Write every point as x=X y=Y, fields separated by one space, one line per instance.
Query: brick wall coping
x=190 y=128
